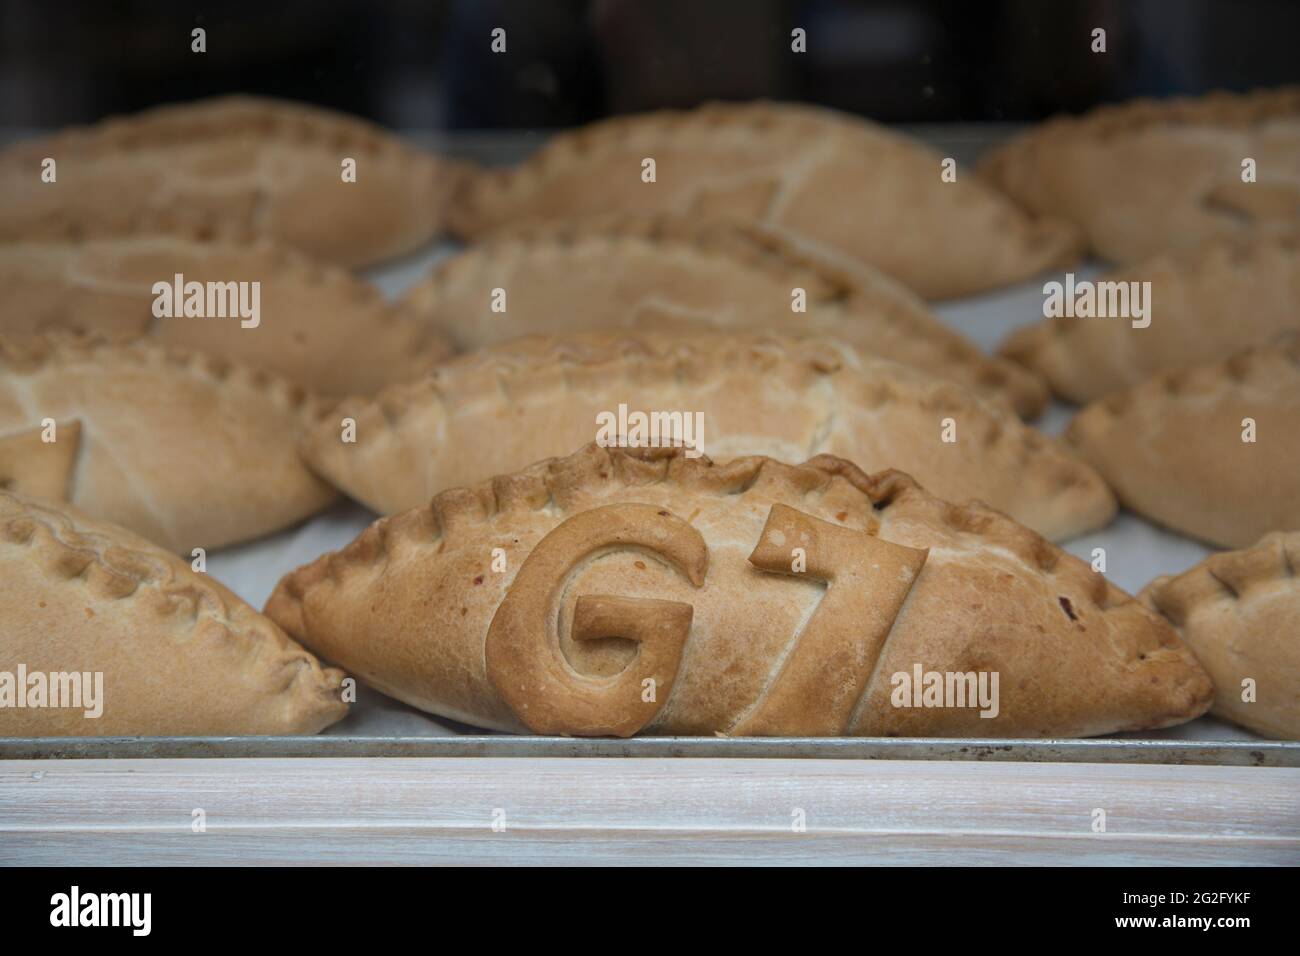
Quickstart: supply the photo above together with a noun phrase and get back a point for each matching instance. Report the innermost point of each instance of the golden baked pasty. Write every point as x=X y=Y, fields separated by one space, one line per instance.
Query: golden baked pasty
x=507 y=406
x=1207 y=302
x=835 y=181
x=237 y=168
x=1151 y=175
x=1213 y=451
x=97 y=621
x=1239 y=611
x=184 y=449
x=675 y=272
x=317 y=325
x=620 y=592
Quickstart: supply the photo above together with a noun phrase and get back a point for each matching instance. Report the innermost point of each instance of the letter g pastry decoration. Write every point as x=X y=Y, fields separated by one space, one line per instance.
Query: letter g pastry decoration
x=524 y=660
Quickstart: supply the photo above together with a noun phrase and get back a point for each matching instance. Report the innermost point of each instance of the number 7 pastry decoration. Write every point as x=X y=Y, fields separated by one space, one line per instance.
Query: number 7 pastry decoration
x=617 y=592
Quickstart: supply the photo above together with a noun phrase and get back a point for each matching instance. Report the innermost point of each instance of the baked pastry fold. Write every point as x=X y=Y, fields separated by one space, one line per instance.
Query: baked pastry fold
x=667 y=272
x=1147 y=176
x=1212 y=451
x=1212 y=300
x=159 y=649
x=506 y=406
x=237 y=168
x=1239 y=611
x=317 y=325
x=184 y=449
x=837 y=182
x=640 y=591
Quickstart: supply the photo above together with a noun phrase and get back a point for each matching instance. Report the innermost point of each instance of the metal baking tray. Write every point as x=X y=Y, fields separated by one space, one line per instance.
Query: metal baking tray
x=1231 y=753
x=252 y=569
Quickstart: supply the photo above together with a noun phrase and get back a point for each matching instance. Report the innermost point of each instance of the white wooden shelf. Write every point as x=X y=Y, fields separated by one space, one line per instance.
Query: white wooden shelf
x=650 y=811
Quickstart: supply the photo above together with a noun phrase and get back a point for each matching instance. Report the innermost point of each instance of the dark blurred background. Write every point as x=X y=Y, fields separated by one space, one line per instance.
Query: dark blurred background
x=428 y=64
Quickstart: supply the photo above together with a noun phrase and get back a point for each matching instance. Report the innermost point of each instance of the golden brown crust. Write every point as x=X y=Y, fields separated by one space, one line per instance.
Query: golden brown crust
x=184 y=448
x=1213 y=299
x=1176 y=449
x=532 y=675
x=504 y=407
x=233 y=167
x=805 y=170
x=1144 y=176
x=1217 y=108
x=320 y=326
x=1239 y=611
x=41 y=461
x=179 y=653
x=655 y=272
x=408 y=605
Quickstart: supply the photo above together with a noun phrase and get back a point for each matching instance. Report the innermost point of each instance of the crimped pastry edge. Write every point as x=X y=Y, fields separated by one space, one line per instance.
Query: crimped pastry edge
x=519 y=358
x=460 y=510
x=28 y=354
x=280 y=261
x=1225 y=575
x=1217 y=108
x=1027 y=344
x=129 y=563
x=469 y=213
x=1167 y=386
x=770 y=252
x=233 y=115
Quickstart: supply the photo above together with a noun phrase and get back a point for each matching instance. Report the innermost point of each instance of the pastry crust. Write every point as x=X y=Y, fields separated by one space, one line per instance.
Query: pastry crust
x=319 y=326
x=41 y=468
x=1207 y=302
x=237 y=168
x=1148 y=175
x=179 y=653
x=1239 y=611
x=1173 y=448
x=837 y=181
x=410 y=606
x=671 y=271
x=502 y=408
x=185 y=449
